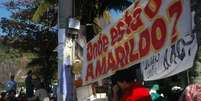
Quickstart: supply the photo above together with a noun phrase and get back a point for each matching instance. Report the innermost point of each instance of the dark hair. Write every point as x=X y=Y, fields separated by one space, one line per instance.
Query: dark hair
x=125 y=75
x=3 y=94
x=12 y=76
x=29 y=72
x=128 y=75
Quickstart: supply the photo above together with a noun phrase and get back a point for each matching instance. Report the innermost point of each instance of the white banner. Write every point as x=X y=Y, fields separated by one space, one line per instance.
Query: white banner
x=175 y=59
x=147 y=27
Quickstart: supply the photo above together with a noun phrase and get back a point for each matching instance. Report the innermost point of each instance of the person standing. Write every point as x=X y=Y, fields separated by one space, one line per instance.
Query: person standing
x=126 y=89
x=29 y=85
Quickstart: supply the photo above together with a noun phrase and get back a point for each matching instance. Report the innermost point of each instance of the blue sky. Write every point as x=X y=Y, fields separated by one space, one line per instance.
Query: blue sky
x=3 y=11
x=115 y=15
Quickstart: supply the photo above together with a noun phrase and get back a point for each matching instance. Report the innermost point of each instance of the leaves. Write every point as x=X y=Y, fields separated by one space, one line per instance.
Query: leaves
x=39 y=39
x=196 y=71
x=42 y=8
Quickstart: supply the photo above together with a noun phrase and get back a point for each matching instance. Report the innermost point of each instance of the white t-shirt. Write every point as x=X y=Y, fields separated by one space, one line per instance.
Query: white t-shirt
x=42 y=94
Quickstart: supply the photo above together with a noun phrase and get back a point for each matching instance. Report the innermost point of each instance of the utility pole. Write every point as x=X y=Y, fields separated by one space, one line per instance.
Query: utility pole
x=64 y=92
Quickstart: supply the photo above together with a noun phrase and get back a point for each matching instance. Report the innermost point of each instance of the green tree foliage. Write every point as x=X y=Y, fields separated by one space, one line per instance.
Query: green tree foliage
x=85 y=10
x=196 y=71
x=13 y=61
x=40 y=39
x=43 y=7
x=196 y=7
x=7 y=53
x=88 y=10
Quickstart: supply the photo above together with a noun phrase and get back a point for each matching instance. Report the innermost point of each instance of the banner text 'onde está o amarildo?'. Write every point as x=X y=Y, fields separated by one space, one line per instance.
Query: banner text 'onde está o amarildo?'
x=146 y=27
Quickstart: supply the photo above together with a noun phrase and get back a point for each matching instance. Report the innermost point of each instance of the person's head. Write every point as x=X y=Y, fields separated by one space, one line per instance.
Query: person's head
x=12 y=77
x=3 y=94
x=29 y=72
x=124 y=78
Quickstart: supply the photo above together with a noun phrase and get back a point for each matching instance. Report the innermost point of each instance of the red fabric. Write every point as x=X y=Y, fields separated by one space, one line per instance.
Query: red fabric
x=137 y=93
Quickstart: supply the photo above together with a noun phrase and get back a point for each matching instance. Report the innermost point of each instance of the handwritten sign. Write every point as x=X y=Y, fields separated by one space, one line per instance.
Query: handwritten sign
x=146 y=28
x=174 y=59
